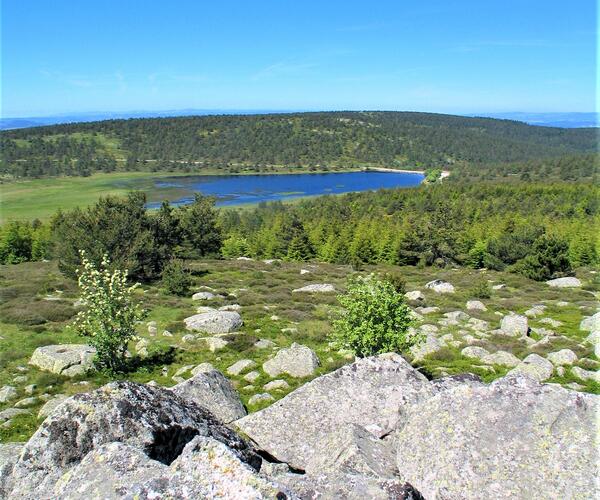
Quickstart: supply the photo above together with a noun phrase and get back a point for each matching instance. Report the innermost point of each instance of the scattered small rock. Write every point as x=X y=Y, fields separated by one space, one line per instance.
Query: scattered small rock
x=241 y=366
x=276 y=385
x=260 y=398
x=315 y=288
x=568 y=282
x=440 y=286
x=296 y=360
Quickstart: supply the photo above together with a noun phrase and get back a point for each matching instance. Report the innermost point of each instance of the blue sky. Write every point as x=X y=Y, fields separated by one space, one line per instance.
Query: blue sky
x=62 y=56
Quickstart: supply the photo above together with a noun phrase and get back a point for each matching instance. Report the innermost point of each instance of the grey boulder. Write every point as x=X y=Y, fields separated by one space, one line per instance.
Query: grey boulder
x=568 y=282
x=371 y=392
x=151 y=419
x=213 y=391
x=9 y=454
x=296 y=360
x=206 y=468
x=512 y=439
x=514 y=325
x=534 y=366
x=214 y=322
x=64 y=359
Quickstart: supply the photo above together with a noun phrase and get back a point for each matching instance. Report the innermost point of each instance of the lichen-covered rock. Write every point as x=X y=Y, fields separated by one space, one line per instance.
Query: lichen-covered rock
x=64 y=359
x=590 y=323
x=567 y=282
x=585 y=374
x=502 y=358
x=296 y=360
x=206 y=468
x=214 y=322
x=8 y=393
x=51 y=405
x=9 y=454
x=440 y=286
x=264 y=397
x=316 y=288
x=514 y=325
x=241 y=366
x=431 y=345
x=415 y=295
x=151 y=419
x=476 y=305
x=562 y=357
x=512 y=439
x=372 y=392
x=213 y=391
x=475 y=352
x=534 y=366
x=203 y=296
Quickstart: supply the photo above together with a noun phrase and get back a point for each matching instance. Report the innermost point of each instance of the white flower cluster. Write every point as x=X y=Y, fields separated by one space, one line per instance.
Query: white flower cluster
x=110 y=315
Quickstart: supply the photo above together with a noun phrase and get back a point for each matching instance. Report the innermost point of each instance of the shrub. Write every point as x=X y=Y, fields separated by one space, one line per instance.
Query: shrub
x=110 y=317
x=375 y=319
x=397 y=281
x=481 y=290
x=176 y=279
x=549 y=258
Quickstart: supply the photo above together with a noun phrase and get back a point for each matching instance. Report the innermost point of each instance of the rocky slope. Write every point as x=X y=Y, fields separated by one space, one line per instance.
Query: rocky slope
x=376 y=428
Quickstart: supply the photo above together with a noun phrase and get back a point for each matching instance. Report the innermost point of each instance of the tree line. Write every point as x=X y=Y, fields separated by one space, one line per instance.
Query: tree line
x=326 y=140
x=538 y=230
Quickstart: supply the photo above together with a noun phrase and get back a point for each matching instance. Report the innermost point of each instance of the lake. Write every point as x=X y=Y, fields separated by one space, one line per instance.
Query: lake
x=243 y=189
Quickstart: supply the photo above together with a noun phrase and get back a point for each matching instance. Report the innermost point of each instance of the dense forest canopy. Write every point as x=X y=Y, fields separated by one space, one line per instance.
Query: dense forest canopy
x=324 y=140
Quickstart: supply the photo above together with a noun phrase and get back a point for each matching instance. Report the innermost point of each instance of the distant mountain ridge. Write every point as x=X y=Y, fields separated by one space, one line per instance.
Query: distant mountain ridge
x=314 y=140
x=562 y=119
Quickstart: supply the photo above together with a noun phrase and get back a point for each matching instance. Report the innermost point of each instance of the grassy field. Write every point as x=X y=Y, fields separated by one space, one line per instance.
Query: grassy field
x=41 y=198
x=37 y=305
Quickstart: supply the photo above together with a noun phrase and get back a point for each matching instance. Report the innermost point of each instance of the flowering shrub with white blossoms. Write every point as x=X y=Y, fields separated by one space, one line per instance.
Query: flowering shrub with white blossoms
x=110 y=316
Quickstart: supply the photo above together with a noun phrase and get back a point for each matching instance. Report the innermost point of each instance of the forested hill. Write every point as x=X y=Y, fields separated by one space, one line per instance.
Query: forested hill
x=314 y=140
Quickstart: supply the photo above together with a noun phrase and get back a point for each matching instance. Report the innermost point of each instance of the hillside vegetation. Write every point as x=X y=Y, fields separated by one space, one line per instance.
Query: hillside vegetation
x=326 y=140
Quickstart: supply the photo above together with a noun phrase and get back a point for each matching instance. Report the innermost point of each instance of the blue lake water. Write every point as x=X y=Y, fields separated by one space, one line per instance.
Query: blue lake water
x=241 y=189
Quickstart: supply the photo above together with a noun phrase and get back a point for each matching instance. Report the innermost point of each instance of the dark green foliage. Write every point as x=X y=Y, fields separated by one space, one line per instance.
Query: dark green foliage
x=176 y=279
x=396 y=280
x=119 y=227
x=135 y=239
x=483 y=226
x=311 y=140
x=548 y=259
x=198 y=230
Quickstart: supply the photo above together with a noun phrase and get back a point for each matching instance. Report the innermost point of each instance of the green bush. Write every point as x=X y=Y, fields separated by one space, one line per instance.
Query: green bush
x=549 y=258
x=176 y=279
x=481 y=290
x=110 y=316
x=375 y=318
x=397 y=281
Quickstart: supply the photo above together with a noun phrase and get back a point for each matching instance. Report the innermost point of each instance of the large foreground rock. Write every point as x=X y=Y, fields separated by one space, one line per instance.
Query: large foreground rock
x=206 y=468
x=214 y=322
x=590 y=323
x=371 y=392
x=65 y=359
x=212 y=390
x=151 y=419
x=297 y=361
x=512 y=439
x=9 y=454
